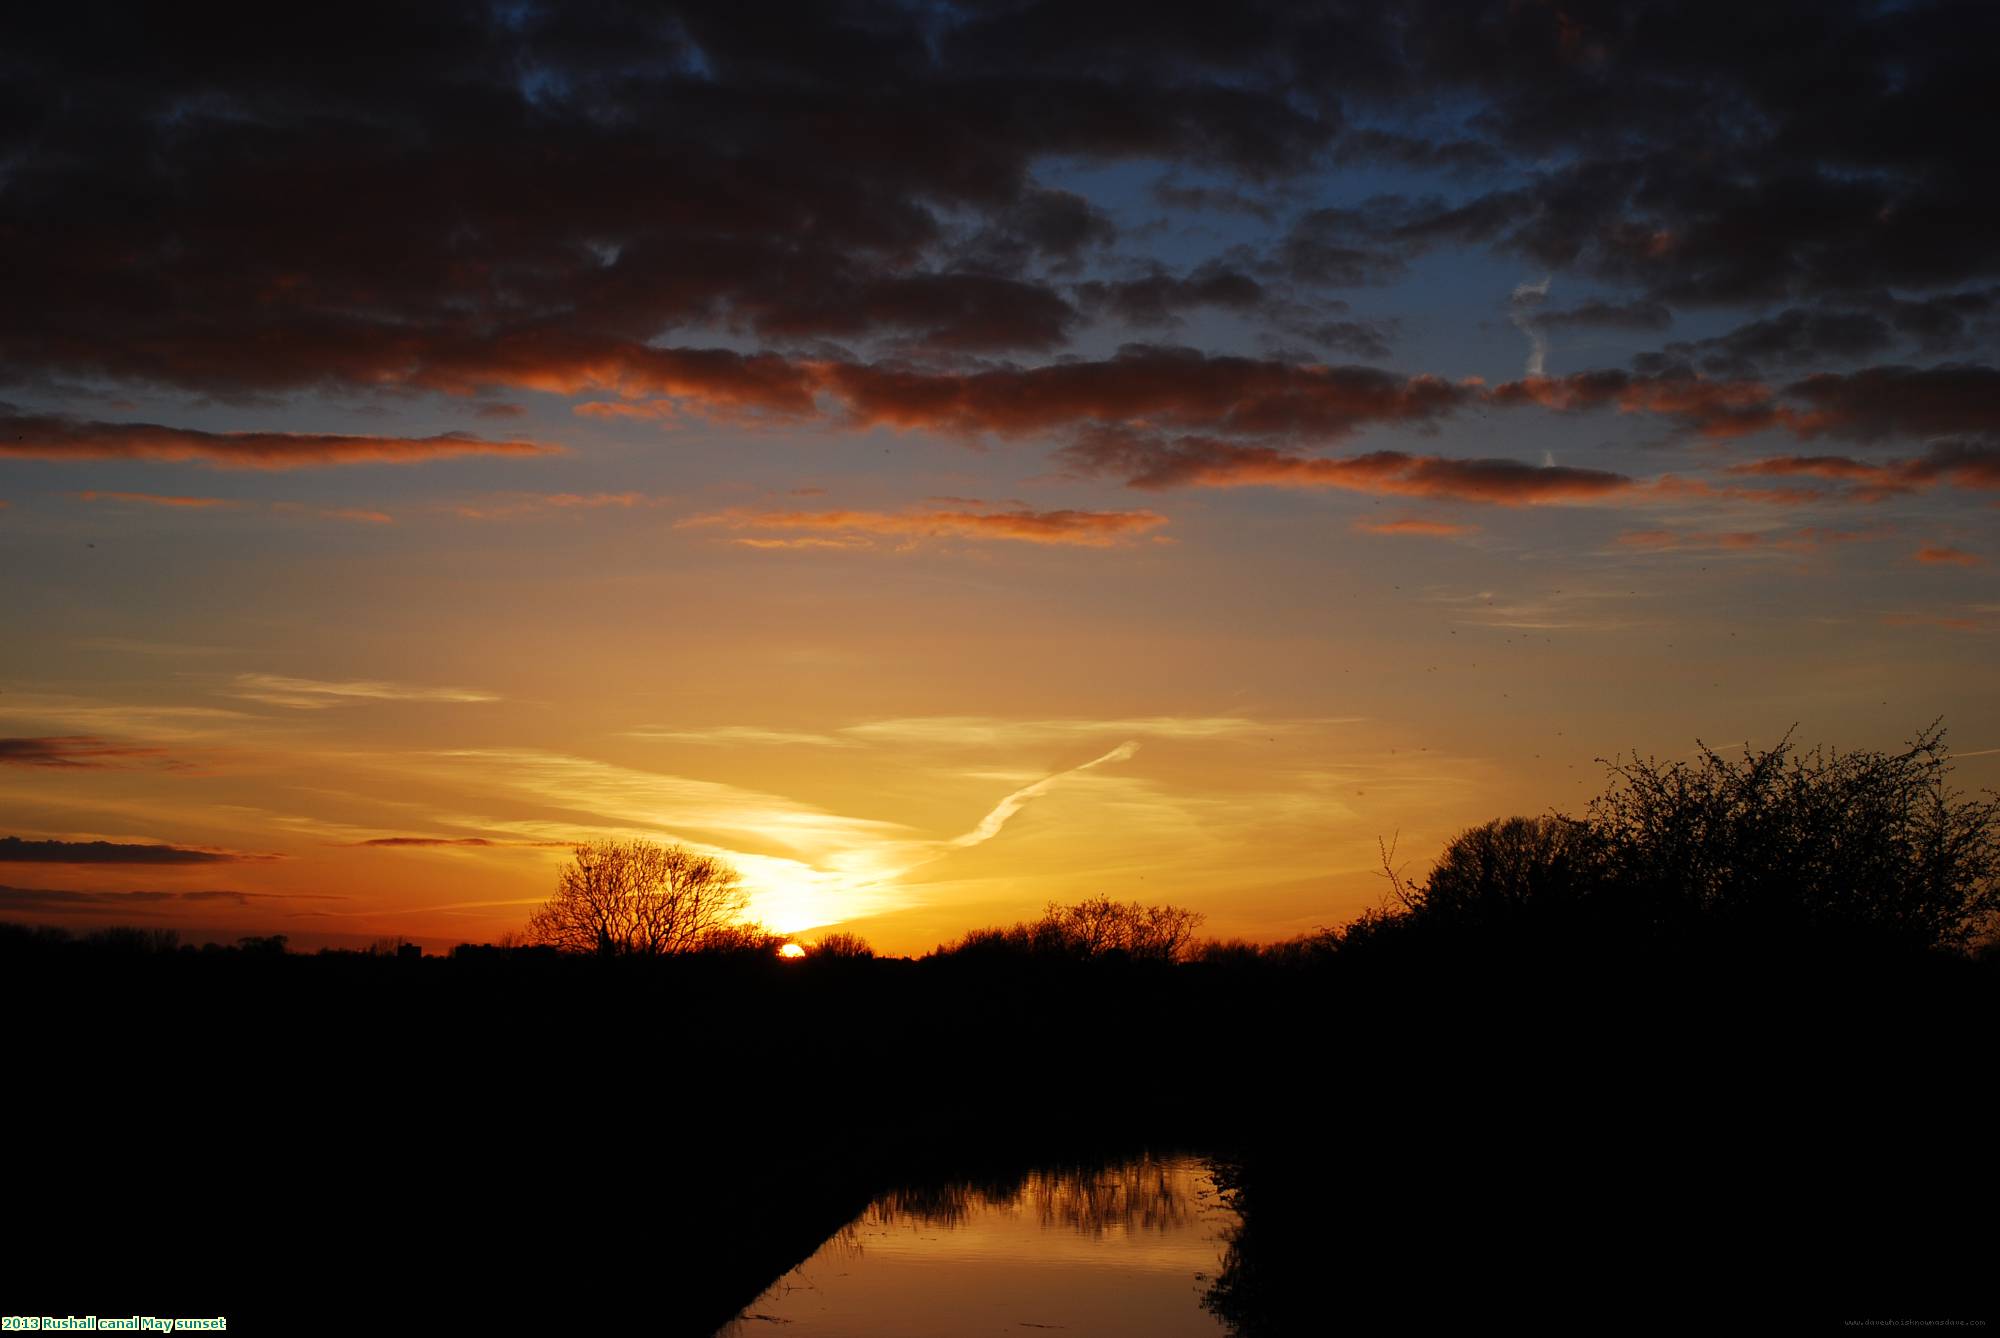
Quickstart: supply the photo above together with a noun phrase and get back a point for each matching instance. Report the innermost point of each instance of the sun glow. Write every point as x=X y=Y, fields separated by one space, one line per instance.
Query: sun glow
x=791 y=952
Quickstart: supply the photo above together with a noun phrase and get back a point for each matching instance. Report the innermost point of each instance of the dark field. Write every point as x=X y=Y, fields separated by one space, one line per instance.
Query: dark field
x=1446 y=1132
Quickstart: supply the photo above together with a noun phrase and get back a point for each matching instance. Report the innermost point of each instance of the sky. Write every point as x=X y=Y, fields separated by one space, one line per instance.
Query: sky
x=949 y=458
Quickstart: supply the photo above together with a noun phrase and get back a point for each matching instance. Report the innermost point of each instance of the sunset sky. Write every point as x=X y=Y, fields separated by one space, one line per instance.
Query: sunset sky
x=946 y=458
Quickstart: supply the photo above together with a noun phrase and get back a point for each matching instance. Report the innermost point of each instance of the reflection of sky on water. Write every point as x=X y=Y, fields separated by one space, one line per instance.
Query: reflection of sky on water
x=1122 y=1249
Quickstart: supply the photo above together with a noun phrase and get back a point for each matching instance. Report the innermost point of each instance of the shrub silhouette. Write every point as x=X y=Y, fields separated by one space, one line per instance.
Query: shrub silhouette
x=1845 y=844
x=1859 y=847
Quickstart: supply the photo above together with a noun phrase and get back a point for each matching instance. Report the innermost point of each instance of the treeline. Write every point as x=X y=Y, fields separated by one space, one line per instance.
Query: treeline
x=1095 y=929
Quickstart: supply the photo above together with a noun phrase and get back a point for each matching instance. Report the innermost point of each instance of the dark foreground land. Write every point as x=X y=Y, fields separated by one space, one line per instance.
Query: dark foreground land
x=1690 y=1140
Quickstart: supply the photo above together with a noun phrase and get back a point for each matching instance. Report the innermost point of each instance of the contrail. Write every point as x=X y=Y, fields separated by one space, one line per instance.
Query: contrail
x=1527 y=297
x=990 y=825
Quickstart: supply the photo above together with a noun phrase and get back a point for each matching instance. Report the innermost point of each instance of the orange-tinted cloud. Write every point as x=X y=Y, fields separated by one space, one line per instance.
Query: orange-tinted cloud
x=1713 y=408
x=1157 y=462
x=509 y=505
x=363 y=515
x=706 y=379
x=14 y=850
x=1800 y=540
x=1812 y=466
x=128 y=905
x=1415 y=525
x=77 y=750
x=1733 y=539
x=1938 y=555
x=155 y=499
x=50 y=437
x=1081 y=529
x=1672 y=487
x=1966 y=464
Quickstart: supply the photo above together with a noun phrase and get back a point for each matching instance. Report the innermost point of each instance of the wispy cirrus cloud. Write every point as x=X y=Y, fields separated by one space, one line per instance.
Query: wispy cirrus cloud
x=650 y=800
x=734 y=736
x=989 y=826
x=989 y=731
x=455 y=842
x=143 y=720
x=307 y=694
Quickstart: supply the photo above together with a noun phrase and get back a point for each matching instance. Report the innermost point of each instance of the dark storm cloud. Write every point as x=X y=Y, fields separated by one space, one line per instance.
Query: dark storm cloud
x=475 y=197
x=1818 y=147
x=1881 y=403
x=1792 y=338
x=1597 y=315
x=1217 y=198
x=1171 y=386
x=1411 y=151
x=1875 y=404
x=222 y=206
x=1944 y=323
x=1157 y=298
x=1356 y=339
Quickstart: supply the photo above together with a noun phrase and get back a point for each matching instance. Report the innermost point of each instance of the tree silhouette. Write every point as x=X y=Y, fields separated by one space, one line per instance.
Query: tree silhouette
x=1515 y=865
x=638 y=897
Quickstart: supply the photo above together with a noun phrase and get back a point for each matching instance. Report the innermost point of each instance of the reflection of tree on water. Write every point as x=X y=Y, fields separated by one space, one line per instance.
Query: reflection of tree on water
x=1145 y=1194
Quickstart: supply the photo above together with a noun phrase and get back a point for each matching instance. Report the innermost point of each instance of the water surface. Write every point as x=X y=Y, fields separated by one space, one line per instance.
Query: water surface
x=1123 y=1248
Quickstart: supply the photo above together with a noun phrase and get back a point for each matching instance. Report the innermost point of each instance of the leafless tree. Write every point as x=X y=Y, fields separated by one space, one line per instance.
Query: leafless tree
x=641 y=898
x=1100 y=925
x=842 y=944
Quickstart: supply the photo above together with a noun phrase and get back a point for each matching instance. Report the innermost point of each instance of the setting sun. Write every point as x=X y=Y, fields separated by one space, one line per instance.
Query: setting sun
x=791 y=952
